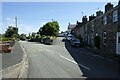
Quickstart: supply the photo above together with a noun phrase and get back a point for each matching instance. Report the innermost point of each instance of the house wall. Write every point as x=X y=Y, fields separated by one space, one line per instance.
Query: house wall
x=97 y=27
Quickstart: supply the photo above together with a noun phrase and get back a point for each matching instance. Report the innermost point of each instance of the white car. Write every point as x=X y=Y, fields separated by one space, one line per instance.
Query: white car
x=69 y=37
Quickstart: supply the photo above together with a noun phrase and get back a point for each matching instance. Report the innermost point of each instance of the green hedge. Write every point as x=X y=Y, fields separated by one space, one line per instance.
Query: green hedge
x=6 y=39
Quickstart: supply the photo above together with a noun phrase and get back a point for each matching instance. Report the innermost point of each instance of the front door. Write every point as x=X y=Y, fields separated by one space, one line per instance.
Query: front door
x=118 y=43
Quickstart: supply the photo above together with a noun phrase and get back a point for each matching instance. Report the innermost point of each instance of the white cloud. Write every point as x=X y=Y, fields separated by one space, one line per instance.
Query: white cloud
x=10 y=24
x=43 y=23
x=0 y=23
x=25 y=28
x=8 y=19
x=0 y=27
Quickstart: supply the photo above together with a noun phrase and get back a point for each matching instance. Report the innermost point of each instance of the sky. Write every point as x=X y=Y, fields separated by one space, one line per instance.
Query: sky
x=33 y=15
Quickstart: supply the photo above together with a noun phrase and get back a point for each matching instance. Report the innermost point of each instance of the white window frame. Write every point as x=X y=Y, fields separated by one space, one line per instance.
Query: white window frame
x=115 y=15
x=104 y=38
x=105 y=19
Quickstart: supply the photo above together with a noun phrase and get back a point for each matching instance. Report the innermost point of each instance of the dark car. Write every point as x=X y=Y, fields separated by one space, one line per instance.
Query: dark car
x=75 y=42
x=47 y=41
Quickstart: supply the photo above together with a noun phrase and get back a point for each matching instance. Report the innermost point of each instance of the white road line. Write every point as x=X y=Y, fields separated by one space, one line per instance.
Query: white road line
x=49 y=51
x=98 y=56
x=102 y=57
x=74 y=62
x=68 y=59
x=109 y=60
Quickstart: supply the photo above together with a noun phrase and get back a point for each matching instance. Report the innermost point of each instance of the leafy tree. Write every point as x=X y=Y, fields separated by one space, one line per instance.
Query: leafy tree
x=33 y=35
x=23 y=37
x=11 y=32
x=50 y=29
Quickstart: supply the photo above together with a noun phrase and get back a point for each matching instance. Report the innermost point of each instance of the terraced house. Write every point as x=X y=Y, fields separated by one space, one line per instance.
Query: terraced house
x=105 y=25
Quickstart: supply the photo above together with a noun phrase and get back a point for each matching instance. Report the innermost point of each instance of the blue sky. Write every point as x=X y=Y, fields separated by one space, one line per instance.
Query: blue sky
x=32 y=15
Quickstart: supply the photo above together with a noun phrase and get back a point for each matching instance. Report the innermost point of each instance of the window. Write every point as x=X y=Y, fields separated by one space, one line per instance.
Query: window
x=93 y=28
x=105 y=20
x=115 y=16
x=118 y=39
x=104 y=38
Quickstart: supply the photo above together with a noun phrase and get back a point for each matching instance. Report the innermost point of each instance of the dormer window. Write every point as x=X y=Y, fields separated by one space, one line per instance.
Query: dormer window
x=105 y=20
x=115 y=16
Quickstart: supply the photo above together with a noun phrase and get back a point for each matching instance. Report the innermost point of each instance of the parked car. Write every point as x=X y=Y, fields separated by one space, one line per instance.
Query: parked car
x=69 y=37
x=47 y=41
x=75 y=42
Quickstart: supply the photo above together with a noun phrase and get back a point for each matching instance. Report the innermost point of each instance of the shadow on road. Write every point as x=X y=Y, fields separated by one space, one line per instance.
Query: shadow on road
x=92 y=67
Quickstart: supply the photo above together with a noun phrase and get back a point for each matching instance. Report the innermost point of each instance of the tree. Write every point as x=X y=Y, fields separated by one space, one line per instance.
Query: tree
x=29 y=36
x=11 y=32
x=50 y=29
x=33 y=35
x=23 y=37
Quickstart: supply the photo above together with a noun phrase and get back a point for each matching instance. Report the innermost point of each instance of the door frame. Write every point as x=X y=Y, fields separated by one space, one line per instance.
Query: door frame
x=117 y=43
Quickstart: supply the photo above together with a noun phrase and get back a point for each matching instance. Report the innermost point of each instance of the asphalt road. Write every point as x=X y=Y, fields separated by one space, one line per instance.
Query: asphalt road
x=60 y=60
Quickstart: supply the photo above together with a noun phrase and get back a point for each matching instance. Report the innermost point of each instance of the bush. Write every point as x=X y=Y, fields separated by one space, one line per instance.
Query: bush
x=5 y=39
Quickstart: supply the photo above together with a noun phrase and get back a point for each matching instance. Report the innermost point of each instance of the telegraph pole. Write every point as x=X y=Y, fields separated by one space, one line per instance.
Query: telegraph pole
x=82 y=14
x=52 y=20
x=16 y=22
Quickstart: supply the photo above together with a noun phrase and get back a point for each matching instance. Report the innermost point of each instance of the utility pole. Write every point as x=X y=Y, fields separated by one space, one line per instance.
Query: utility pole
x=82 y=14
x=16 y=22
x=52 y=20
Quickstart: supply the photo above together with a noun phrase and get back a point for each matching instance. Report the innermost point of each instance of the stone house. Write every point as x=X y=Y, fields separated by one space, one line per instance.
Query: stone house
x=70 y=27
x=105 y=25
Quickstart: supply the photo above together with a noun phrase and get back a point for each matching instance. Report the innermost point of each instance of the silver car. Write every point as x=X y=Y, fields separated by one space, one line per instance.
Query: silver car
x=75 y=42
x=69 y=37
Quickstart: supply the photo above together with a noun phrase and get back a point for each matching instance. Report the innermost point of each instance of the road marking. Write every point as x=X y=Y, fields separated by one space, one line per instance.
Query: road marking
x=49 y=51
x=102 y=57
x=74 y=62
x=98 y=56
x=109 y=60
x=68 y=59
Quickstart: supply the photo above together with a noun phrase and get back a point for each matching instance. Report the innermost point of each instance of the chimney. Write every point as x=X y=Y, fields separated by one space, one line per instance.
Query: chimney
x=108 y=7
x=98 y=13
x=77 y=22
x=84 y=19
x=69 y=23
x=92 y=17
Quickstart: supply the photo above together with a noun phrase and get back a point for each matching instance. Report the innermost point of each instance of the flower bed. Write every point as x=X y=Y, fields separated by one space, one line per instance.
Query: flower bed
x=6 y=46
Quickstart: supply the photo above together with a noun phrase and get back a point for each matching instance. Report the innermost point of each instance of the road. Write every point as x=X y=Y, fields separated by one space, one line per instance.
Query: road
x=60 y=60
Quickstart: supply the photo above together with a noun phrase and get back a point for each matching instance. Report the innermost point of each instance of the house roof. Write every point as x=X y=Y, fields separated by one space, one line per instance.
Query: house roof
x=71 y=26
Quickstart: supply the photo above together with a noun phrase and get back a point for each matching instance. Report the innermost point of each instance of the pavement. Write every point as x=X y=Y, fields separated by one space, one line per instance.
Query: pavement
x=13 y=58
x=15 y=63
